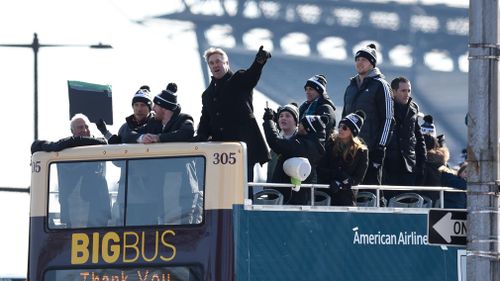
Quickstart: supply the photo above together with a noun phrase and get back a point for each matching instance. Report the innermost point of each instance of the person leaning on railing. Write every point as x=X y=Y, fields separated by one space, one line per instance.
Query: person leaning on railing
x=345 y=162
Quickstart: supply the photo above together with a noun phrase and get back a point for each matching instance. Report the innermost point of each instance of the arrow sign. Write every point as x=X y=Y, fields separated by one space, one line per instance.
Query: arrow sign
x=447 y=227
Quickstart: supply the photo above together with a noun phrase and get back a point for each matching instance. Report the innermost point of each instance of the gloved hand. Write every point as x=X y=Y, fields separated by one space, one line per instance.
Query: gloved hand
x=37 y=146
x=101 y=126
x=262 y=55
x=377 y=156
x=269 y=114
x=335 y=186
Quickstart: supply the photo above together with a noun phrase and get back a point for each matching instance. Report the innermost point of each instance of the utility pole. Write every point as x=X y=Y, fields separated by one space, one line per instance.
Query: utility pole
x=483 y=262
x=35 y=46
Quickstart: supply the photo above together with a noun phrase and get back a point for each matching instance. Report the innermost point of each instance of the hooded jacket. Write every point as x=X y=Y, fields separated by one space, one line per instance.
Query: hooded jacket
x=374 y=98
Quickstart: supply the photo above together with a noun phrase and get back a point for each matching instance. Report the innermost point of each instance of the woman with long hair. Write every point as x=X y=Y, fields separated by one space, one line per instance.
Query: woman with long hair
x=345 y=161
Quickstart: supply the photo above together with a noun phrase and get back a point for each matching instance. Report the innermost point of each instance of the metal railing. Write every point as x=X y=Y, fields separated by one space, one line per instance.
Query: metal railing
x=377 y=188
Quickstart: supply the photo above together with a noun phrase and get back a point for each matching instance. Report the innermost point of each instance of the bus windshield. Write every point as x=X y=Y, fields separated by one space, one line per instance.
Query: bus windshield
x=137 y=192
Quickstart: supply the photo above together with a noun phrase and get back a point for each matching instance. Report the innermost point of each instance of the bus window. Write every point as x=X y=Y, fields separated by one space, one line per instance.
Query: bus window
x=165 y=191
x=159 y=191
x=79 y=195
x=173 y=273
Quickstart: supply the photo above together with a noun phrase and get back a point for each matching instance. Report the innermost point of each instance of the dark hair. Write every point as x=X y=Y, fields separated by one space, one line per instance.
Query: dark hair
x=395 y=82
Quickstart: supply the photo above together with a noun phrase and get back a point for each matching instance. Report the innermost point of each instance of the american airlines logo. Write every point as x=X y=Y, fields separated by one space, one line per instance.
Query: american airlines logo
x=380 y=238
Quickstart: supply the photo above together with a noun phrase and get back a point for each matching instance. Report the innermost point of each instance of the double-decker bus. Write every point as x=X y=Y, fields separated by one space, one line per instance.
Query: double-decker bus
x=178 y=211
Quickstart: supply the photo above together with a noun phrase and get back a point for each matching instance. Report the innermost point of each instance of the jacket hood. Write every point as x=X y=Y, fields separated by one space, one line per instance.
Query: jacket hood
x=329 y=101
x=375 y=73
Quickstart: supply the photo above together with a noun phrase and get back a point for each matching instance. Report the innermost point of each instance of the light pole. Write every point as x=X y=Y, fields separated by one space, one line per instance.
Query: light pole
x=35 y=46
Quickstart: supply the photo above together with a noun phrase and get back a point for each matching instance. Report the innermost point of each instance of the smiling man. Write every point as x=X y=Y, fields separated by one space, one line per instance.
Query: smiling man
x=370 y=93
x=227 y=112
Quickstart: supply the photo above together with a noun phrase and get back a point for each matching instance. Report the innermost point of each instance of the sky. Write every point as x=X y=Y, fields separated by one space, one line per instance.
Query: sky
x=154 y=53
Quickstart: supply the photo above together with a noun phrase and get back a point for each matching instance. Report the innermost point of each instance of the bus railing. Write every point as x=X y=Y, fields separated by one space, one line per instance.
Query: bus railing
x=377 y=188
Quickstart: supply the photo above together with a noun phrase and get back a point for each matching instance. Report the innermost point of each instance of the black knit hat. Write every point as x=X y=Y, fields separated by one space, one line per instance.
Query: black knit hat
x=314 y=123
x=317 y=82
x=168 y=98
x=428 y=126
x=143 y=95
x=354 y=121
x=369 y=52
x=293 y=109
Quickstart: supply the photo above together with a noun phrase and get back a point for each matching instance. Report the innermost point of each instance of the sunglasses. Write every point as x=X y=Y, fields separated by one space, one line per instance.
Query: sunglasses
x=343 y=127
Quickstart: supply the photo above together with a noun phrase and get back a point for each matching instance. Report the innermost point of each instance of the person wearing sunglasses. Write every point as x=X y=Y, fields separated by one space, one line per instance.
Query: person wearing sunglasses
x=345 y=161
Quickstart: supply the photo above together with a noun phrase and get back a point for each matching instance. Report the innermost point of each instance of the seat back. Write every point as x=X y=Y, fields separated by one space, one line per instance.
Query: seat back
x=407 y=200
x=268 y=197
x=427 y=201
x=321 y=198
x=366 y=199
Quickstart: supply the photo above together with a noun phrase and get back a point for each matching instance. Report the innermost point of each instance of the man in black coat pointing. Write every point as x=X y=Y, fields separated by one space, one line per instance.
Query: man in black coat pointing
x=227 y=112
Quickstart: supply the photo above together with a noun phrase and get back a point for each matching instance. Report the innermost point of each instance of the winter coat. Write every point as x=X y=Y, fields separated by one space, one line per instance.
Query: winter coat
x=320 y=106
x=178 y=129
x=337 y=169
x=227 y=112
x=454 y=200
x=406 y=149
x=436 y=159
x=126 y=132
x=374 y=98
x=307 y=146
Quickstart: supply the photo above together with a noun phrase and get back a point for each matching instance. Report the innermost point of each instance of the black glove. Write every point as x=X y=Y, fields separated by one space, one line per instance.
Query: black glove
x=37 y=146
x=262 y=56
x=101 y=125
x=335 y=186
x=377 y=156
x=269 y=114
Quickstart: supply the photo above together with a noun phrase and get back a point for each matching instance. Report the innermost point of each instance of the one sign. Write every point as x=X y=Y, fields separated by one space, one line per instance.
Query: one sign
x=447 y=227
x=93 y=100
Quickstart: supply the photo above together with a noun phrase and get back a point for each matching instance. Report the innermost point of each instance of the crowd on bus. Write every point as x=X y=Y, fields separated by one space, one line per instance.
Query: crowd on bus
x=380 y=138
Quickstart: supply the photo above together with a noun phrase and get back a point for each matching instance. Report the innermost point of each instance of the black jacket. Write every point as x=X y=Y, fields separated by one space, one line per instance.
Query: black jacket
x=179 y=128
x=125 y=133
x=321 y=106
x=227 y=112
x=334 y=168
x=374 y=98
x=307 y=146
x=406 y=149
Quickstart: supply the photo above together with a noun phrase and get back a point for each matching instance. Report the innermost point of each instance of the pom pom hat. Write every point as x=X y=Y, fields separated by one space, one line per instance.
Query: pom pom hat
x=369 y=52
x=317 y=82
x=354 y=121
x=168 y=98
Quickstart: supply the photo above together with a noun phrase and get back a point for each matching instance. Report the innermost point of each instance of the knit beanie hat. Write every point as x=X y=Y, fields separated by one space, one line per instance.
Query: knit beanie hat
x=293 y=109
x=428 y=126
x=369 y=52
x=314 y=123
x=354 y=121
x=143 y=95
x=317 y=82
x=168 y=98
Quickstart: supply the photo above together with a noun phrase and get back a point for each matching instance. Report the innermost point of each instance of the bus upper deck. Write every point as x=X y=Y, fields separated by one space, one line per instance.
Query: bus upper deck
x=178 y=212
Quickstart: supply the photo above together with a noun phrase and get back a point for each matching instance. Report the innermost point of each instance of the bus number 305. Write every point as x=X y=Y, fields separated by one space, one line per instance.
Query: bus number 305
x=224 y=158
